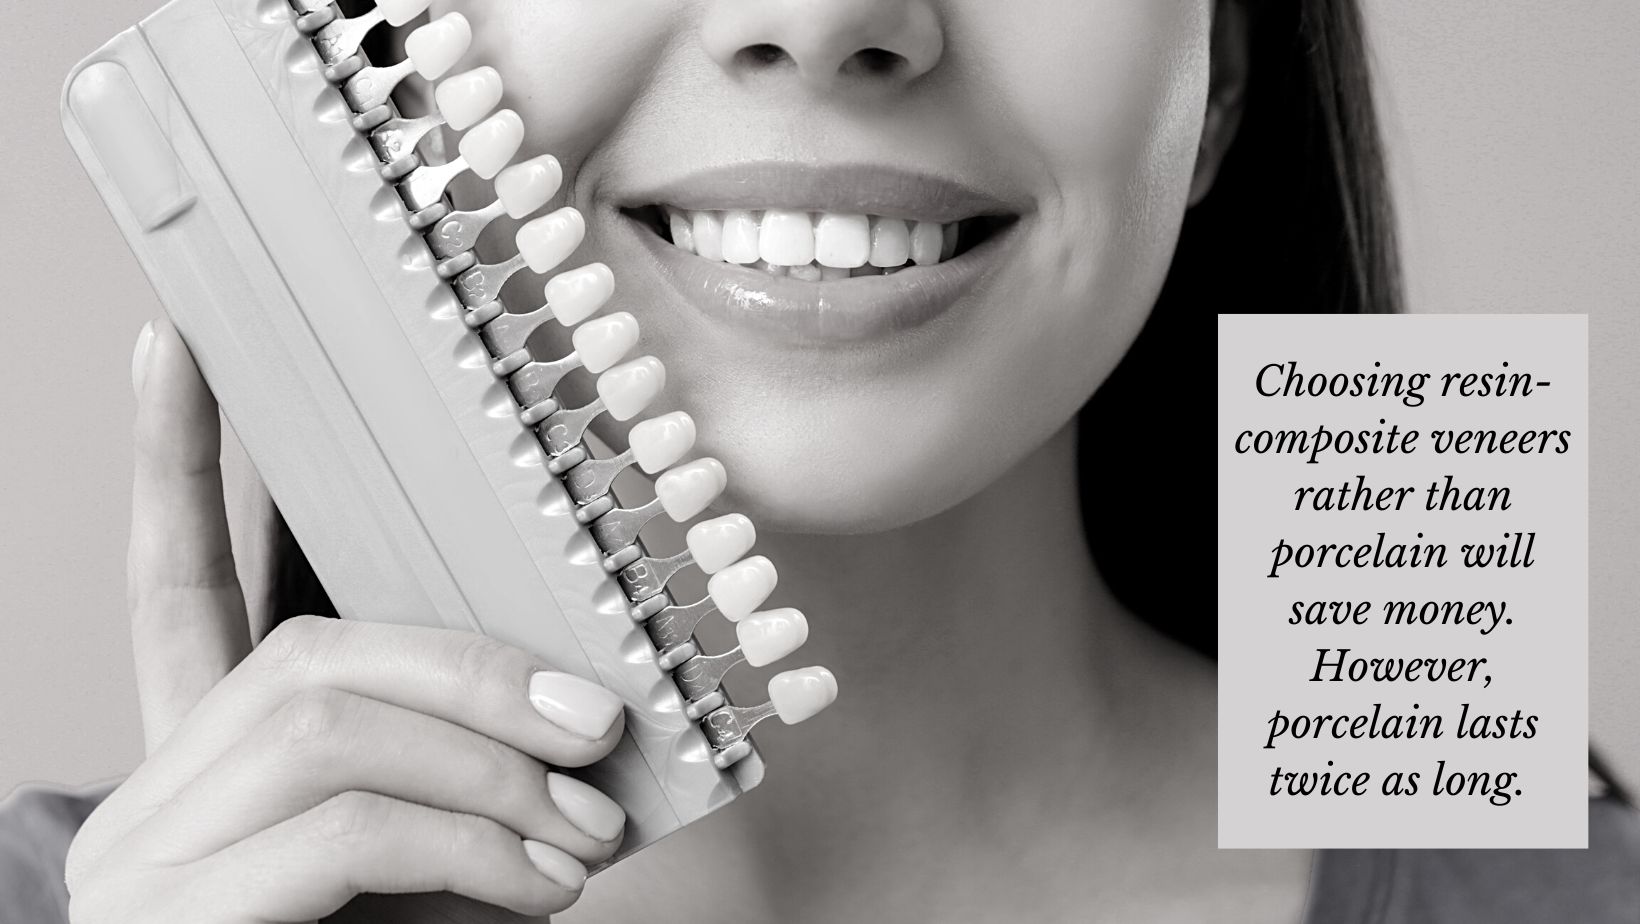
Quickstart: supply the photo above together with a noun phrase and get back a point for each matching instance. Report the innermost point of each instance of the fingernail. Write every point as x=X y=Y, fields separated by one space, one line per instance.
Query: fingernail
x=578 y=706
x=139 y=357
x=595 y=814
x=556 y=865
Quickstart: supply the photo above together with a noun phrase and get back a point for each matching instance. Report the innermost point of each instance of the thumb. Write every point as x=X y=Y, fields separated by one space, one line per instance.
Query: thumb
x=188 y=623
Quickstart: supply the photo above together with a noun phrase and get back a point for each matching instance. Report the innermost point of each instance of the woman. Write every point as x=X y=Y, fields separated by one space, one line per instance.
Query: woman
x=922 y=457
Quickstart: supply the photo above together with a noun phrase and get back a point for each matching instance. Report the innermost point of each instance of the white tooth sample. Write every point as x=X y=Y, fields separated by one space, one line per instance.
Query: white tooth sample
x=468 y=97
x=842 y=240
x=601 y=342
x=927 y=240
x=707 y=228
x=399 y=12
x=628 y=388
x=808 y=272
x=490 y=144
x=548 y=241
x=948 y=243
x=717 y=544
x=577 y=294
x=436 y=47
x=742 y=587
x=688 y=489
x=768 y=636
x=659 y=442
x=740 y=234
x=890 y=242
x=829 y=273
x=801 y=694
x=786 y=238
x=525 y=187
x=683 y=234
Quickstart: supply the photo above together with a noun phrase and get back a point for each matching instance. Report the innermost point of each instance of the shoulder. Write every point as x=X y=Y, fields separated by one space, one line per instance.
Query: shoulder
x=37 y=822
x=1593 y=886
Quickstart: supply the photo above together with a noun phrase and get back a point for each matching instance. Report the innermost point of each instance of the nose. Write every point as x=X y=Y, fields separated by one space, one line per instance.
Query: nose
x=827 y=42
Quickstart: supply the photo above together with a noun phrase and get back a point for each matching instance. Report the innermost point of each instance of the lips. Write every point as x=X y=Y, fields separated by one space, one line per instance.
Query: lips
x=818 y=255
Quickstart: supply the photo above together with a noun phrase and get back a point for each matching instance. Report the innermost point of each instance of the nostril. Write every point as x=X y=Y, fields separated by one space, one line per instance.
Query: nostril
x=875 y=62
x=762 y=55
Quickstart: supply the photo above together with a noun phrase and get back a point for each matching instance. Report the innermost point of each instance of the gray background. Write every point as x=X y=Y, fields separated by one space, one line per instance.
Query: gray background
x=1513 y=132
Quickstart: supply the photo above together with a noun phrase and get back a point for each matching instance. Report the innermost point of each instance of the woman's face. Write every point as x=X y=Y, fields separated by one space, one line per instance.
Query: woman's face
x=1058 y=137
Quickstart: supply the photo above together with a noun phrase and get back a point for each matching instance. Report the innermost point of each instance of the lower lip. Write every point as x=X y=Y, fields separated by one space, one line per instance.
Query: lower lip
x=838 y=311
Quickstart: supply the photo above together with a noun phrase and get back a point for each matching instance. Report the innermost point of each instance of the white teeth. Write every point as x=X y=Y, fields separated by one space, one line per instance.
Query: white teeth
x=786 y=238
x=825 y=246
x=742 y=587
x=436 y=47
x=628 y=388
x=740 y=237
x=601 y=342
x=927 y=240
x=890 y=242
x=842 y=241
x=399 y=12
x=548 y=241
x=688 y=489
x=707 y=228
x=717 y=544
x=800 y=694
x=577 y=294
x=492 y=143
x=658 y=443
x=525 y=187
x=468 y=97
x=683 y=233
x=771 y=635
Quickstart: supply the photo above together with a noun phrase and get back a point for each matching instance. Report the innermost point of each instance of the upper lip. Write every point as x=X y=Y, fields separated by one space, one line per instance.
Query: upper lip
x=868 y=189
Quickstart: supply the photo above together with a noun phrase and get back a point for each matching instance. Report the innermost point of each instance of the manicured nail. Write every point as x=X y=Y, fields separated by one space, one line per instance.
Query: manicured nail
x=556 y=865
x=578 y=706
x=595 y=814
x=139 y=357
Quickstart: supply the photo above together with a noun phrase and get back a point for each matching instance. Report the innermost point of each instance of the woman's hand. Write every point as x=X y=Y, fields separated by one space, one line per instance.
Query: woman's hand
x=332 y=759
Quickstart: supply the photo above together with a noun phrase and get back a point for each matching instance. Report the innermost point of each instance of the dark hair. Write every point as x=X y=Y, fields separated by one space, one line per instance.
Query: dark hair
x=1299 y=220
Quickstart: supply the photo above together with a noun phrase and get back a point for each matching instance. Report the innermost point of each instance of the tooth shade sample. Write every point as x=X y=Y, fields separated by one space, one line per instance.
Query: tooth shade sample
x=771 y=635
x=492 y=143
x=436 y=47
x=468 y=97
x=577 y=294
x=399 y=12
x=601 y=342
x=786 y=238
x=683 y=234
x=842 y=240
x=525 y=187
x=688 y=489
x=927 y=240
x=742 y=587
x=628 y=388
x=707 y=228
x=801 y=694
x=740 y=238
x=717 y=544
x=890 y=242
x=658 y=443
x=549 y=240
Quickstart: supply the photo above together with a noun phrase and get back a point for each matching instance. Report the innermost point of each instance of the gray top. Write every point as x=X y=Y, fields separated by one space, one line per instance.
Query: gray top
x=1594 y=886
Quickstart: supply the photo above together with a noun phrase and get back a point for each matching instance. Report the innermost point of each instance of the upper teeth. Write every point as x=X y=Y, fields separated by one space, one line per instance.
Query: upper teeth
x=805 y=243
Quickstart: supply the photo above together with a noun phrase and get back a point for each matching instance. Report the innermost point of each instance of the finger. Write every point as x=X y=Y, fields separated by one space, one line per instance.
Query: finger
x=325 y=742
x=308 y=867
x=480 y=684
x=188 y=626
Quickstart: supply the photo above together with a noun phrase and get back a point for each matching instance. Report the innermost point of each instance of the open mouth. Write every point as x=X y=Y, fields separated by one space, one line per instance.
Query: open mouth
x=816 y=246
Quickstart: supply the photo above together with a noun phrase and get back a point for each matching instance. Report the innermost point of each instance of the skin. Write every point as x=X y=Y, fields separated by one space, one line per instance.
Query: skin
x=1007 y=736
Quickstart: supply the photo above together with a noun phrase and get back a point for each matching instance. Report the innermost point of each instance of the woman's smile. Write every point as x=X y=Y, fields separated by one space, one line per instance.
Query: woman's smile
x=816 y=255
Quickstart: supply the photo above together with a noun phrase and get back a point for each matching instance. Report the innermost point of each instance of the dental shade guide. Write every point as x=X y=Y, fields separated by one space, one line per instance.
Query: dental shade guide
x=348 y=328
